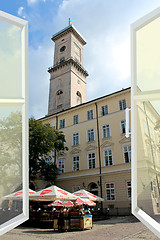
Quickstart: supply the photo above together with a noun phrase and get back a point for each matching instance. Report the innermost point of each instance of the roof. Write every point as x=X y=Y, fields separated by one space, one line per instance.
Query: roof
x=69 y=28
x=80 y=105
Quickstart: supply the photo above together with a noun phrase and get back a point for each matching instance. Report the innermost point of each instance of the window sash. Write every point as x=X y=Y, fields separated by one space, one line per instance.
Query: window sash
x=75 y=119
x=106 y=131
x=104 y=110
x=61 y=165
x=89 y=114
x=90 y=135
x=110 y=191
x=75 y=139
x=91 y=160
x=123 y=126
x=108 y=157
x=127 y=154
x=76 y=163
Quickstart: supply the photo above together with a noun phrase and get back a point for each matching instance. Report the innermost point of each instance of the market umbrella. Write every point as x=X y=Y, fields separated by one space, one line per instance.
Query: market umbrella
x=56 y=203
x=89 y=203
x=52 y=193
x=17 y=195
x=87 y=195
x=79 y=202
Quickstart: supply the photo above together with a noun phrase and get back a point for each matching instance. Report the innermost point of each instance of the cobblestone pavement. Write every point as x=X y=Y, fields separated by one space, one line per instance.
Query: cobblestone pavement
x=116 y=228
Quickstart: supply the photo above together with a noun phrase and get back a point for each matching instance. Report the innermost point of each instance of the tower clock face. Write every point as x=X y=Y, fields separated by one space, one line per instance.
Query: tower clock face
x=62 y=49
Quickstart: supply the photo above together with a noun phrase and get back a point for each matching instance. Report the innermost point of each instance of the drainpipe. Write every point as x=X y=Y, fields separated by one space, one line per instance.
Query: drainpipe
x=55 y=153
x=99 y=155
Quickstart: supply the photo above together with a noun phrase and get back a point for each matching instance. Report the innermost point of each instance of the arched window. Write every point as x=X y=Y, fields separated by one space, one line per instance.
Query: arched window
x=59 y=98
x=79 y=97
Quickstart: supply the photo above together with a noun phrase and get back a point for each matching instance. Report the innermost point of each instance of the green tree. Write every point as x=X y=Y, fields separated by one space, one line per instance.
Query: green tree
x=42 y=140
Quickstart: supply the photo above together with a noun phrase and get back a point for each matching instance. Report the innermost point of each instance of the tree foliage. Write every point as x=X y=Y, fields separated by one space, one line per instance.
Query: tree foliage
x=42 y=140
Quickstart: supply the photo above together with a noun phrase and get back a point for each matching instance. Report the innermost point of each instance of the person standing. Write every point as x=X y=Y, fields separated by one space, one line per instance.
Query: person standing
x=60 y=220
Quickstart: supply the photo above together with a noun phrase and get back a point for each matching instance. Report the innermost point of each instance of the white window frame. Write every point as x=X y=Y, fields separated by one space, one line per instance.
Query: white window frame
x=90 y=114
x=146 y=219
x=75 y=139
x=121 y=102
x=23 y=25
x=109 y=127
x=105 y=111
x=127 y=188
x=129 y=153
x=60 y=159
x=110 y=191
x=124 y=122
x=75 y=156
x=62 y=123
x=91 y=152
x=108 y=149
x=75 y=119
x=90 y=133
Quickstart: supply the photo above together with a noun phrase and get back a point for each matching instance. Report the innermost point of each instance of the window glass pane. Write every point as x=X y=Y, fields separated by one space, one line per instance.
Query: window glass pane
x=10 y=61
x=10 y=160
x=148 y=56
x=148 y=155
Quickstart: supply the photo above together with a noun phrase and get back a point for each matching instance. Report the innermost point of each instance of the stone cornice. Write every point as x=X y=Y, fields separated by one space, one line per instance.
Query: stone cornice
x=70 y=61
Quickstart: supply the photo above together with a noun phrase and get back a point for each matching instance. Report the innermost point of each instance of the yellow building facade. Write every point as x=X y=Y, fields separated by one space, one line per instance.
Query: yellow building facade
x=99 y=155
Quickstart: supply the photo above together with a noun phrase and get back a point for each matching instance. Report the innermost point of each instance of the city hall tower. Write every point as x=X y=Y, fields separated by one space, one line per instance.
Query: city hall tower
x=67 y=75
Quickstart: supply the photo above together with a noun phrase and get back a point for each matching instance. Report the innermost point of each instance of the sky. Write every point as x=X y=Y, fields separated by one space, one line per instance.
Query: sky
x=104 y=24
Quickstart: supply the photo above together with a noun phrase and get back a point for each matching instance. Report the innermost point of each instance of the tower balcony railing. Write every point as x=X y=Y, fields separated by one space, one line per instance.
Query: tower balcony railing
x=68 y=60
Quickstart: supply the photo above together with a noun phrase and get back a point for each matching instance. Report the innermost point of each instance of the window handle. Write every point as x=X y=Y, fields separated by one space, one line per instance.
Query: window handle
x=127 y=122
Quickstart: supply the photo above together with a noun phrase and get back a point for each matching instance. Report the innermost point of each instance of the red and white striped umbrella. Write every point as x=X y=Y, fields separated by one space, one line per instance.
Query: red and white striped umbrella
x=17 y=195
x=87 y=195
x=81 y=201
x=52 y=193
x=58 y=203
x=89 y=203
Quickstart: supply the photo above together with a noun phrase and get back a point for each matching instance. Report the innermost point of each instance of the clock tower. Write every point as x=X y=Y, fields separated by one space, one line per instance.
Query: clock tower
x=67 y=75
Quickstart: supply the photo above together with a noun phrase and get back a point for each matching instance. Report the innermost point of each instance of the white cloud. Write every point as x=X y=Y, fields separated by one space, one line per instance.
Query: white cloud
x=20 y=10
x=30 y=2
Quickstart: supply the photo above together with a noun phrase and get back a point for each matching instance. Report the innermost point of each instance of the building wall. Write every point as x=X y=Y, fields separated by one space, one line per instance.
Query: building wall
x=118 y=173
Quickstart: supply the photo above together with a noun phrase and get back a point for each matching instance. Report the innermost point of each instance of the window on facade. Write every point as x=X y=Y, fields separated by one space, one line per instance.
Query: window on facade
x=110 y=191
x=122 y=104
x=61 y=165
x=129 y=189
x=106 y=131
x=108 y=157
x=59 y=98
x=75 y=119
x=75 y=139
x=123 y=126
x=89 y=114
x=79 y=97
x=127 y=154
x=90 y=133
x=104 y=110
x=91 y=160
x=62 y=123
x=75 y=163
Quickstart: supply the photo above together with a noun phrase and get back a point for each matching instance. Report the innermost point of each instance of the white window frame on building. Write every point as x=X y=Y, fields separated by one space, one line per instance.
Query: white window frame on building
x=61 y=165
x=110 y=192
x=90 y=135
x=129 y=189
x=62 y=123
x=104 y=110
x=122 y=104
x=106 y=131
x=91 y=156
x=22 y=102
x=108 y=157
x=123 y=126
x=76 y=119
x=75 y=139
x=127 y=153
x=90 y=114
x=75 y=163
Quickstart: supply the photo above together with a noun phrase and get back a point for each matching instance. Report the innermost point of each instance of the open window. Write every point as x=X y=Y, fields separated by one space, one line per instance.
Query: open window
x=13 y=120
x=145 y=120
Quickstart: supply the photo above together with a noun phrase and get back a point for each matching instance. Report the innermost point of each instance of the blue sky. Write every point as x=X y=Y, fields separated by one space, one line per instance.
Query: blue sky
x=105 y=25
